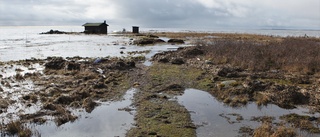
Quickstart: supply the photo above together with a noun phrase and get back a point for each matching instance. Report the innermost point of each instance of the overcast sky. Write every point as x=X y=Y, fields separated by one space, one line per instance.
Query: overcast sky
x=303 y=14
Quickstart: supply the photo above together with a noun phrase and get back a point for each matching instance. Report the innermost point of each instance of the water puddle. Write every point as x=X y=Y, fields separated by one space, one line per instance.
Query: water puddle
x=14 y=86
x=216 y=119
x=159 y=49
x=166 y=39
x=13 y=81
x=10 y=70
x=110 y=119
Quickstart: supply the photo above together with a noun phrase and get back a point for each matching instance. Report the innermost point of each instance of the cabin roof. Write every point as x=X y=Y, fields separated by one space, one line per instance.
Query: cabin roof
x=93 y=24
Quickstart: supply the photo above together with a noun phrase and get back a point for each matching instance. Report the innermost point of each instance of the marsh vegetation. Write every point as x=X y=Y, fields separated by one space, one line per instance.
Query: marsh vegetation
x=236 y=69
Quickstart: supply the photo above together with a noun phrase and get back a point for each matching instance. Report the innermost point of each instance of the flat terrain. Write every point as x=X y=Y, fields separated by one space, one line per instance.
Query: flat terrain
x=234 y=68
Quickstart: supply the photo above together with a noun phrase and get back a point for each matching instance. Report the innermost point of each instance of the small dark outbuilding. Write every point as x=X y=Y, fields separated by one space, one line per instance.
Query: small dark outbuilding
x=96 y=28
x=135 y=29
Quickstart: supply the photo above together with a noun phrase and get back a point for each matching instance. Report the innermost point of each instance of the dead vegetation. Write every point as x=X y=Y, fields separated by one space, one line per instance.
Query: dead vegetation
x=306 y=123
x=283 y=71
x=286 y=128
x=267 y=130
x=236 y=69
x=290 y=55
x=67 y=84
x=16 y=128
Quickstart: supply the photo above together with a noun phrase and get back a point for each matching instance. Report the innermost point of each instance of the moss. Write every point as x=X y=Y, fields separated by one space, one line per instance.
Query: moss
x=178 y=74
x=279 y=81
x=161 y=117
x=138 y=58
x=158 y=115
x=205 y=84
x=302 y=122
x=220 y=86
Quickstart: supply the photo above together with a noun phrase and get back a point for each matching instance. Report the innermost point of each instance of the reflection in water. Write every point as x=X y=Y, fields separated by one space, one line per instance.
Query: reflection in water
x=216 y=119
x=104 y=121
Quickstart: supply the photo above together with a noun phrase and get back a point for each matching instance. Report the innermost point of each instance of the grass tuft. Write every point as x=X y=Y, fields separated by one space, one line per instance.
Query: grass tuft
x=17 y=128
x=290 y=54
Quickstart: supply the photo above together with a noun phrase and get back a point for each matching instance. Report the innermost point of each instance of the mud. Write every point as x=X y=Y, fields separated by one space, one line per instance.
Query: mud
x=64 y=84
x=67 y=84
x=275 y=87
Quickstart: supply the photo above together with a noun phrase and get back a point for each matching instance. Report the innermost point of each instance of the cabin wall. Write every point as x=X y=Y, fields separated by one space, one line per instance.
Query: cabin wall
x=102 y=29
x=135 y=29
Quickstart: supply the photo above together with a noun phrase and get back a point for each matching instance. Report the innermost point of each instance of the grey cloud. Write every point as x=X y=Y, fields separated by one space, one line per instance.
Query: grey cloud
x=173 y=13
x=163 y=13
x=37 y=12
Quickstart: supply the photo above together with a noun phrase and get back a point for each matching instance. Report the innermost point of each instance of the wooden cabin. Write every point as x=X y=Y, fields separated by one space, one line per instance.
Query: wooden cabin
x=96 y=28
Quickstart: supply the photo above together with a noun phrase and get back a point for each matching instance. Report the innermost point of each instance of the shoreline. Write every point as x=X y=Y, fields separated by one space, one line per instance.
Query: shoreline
x=79 y=82
x=258 y=31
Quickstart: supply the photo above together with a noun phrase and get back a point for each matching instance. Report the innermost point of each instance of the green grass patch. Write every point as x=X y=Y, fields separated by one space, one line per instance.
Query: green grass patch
x=161 y=117
x=179 y=74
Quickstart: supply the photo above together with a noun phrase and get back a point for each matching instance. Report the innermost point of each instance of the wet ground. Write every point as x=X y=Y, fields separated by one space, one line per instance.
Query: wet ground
x=175 y=93
x=19 y=44
x=215 y=119
x=110 y=119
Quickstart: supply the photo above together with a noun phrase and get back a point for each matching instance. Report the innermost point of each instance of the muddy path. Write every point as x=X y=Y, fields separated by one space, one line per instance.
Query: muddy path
x=41 y=90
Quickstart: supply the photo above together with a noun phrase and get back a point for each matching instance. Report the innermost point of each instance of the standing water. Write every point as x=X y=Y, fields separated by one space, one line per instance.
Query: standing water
x=23 y=42
x=19 y=43
x=107 y=120
x=217 y=120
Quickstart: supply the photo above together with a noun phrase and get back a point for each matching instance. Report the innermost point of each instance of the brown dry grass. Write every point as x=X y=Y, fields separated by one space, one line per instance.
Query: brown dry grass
x=17 y=128
x=267 y=130
x=205 y=35
x=303 y=122
x=283 y=131
x=291 y=54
